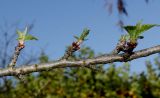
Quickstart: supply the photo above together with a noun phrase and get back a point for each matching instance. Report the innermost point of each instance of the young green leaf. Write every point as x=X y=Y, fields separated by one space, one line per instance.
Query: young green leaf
x=130 y=29
x=135 y=31
x=140 y=37
x=124 y=37
x=20 y=35
x=144 y=28
x=83 y=35
x=23 y=36
x=30 y=37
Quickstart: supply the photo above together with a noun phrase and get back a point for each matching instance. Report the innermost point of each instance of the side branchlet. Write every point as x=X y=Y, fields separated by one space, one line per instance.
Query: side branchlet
x=22 y=37
x=128 y=42
x=76 y=44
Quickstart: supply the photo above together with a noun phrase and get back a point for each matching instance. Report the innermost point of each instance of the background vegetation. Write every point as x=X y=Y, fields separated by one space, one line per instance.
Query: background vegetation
x=111 y=82
x=100 y=81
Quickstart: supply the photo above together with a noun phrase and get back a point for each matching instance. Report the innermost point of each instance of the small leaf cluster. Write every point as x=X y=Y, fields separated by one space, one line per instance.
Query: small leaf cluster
x=83 y=35
x=134 y=32
x=24 y=36
x=76 y=45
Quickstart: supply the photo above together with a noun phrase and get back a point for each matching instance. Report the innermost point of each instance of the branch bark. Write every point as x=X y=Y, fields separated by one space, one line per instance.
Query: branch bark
x=15 y=56
x=105 y=59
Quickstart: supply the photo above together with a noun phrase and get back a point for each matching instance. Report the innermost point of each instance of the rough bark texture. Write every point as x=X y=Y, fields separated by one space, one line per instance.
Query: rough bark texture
x=106 y=58
x=15 y=55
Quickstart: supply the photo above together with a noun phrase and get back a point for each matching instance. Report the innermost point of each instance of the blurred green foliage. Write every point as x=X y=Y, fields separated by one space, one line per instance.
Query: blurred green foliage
x=112 y=82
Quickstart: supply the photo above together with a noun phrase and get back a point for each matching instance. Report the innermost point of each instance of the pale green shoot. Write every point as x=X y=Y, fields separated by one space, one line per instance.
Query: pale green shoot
x=24 y=36
x=83 y=35
x=135 y=31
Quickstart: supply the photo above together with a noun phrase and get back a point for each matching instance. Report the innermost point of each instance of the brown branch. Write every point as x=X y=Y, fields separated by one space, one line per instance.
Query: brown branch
x=18 y=48
x=66 y=63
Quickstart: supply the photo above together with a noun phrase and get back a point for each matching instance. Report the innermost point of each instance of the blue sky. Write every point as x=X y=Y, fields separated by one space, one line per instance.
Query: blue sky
x=56 y=21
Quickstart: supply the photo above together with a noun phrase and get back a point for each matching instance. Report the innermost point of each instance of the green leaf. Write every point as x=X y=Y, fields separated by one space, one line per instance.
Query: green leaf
x=124 y=37
x=84 y=34
x=140 y=37
x=145 y=27
x=25 y=31
x=135 y=31
x=23 y=36
x=30 y=37
x=130 y=29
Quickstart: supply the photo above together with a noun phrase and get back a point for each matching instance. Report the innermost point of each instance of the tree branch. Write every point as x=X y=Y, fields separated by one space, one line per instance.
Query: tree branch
x=15 y=56
x=106 y=58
